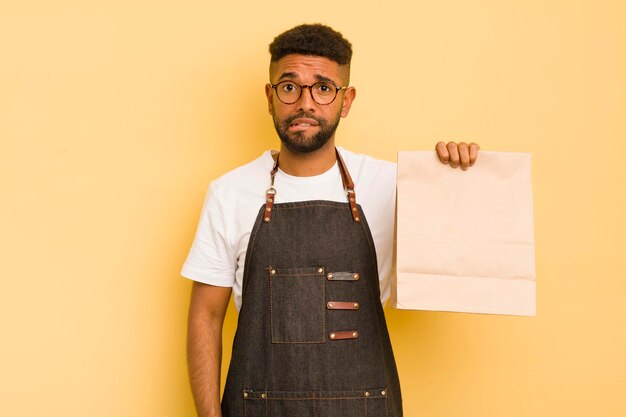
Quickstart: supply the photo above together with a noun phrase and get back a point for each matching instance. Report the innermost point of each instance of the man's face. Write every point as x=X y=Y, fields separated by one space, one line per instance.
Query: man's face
x=306 y=126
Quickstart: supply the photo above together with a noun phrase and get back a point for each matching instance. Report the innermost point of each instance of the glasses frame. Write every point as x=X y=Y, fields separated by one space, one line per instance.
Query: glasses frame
x=310 y=87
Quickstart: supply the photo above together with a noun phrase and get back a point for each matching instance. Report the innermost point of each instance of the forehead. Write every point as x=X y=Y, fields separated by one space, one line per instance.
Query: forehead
x=307 y=68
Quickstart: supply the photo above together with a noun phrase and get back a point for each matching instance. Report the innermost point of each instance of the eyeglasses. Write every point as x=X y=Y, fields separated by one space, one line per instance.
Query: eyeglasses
x=323 y=92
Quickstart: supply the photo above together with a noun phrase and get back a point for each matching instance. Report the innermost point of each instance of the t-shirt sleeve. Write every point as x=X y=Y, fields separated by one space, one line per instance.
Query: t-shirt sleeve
x=211 y=259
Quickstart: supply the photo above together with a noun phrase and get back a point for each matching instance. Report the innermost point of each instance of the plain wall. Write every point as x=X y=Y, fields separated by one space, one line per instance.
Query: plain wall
x=115 y=116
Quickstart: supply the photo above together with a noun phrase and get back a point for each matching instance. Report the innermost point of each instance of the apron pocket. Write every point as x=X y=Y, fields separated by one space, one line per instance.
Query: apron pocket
x=297 y=305
x=366 y=403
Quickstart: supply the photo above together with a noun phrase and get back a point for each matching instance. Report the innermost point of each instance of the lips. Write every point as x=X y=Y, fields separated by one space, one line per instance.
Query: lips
x=303 y=122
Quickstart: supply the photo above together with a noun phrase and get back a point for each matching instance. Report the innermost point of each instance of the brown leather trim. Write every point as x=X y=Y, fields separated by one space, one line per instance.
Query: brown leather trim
x=269 y=205
x=348 y=185
x=346 y=180
x=343 y=276
x=342 y=305
x=349 y=334
x=271 y=192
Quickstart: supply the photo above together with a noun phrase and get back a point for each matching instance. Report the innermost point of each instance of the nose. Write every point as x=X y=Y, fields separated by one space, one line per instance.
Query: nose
x=306 y=101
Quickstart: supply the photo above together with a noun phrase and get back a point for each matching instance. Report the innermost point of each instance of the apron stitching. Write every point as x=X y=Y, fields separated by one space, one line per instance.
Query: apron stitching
x=365 y=406
x=310 y=205
x=259 y=234
x=246 y=268
x=324 y=308
x=386 y=407
x=383 y=361
x=271 y=311
x=368 y=238
x=271 y=301
x=317 y=398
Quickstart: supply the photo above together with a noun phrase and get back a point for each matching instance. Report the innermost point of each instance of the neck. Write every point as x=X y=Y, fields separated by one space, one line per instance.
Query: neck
x=308 y=164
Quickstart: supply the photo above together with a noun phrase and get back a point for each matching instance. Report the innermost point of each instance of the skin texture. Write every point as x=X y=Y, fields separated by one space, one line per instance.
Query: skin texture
x=307 y=70
x=209 y=303
x=207 y=309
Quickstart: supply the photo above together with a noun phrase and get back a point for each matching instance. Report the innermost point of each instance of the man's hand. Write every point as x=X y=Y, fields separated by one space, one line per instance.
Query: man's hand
x=463 y=155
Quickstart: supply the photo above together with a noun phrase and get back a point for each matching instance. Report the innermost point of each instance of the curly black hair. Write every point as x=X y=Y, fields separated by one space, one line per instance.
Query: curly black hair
x=312 y=39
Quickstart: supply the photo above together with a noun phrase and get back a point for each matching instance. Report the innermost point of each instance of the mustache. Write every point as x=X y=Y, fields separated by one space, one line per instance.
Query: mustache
x=303 y=115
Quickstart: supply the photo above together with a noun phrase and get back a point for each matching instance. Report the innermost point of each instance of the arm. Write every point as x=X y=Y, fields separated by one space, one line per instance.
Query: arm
x=207 y=309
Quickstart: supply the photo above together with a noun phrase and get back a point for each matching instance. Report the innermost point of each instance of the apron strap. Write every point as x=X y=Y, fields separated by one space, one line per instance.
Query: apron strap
x=271 y=192
x=348 y=185
x=346 y=180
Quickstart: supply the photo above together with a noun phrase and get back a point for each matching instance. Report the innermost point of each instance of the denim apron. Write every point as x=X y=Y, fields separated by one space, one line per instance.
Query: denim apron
x=311 y=339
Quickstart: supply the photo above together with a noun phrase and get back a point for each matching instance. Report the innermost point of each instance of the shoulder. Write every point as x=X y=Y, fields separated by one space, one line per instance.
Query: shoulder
x=244 y=178
x=236 y=195
x=367 y=171
x=359 y=160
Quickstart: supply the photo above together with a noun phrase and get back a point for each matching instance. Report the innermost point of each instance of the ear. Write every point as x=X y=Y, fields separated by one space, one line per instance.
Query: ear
x=348 y=98
x=269 y=93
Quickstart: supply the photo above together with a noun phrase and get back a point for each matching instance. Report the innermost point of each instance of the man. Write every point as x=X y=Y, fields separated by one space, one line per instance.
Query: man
x=304 y=240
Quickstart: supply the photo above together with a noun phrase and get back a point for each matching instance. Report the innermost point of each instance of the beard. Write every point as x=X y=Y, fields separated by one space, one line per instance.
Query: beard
x=298 y=142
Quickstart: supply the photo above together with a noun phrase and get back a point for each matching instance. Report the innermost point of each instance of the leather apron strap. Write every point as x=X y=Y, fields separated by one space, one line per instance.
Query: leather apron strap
x=346 y=179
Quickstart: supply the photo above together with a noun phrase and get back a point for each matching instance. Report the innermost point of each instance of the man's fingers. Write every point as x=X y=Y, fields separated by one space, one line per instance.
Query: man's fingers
x=473 y=153
x=442 y=152
x=454 y=154
x=457 y=155
x=464 y=155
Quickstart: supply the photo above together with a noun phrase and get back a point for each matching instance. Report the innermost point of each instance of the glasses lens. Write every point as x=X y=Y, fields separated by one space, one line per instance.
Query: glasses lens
x=288 y=92
x=324 y=92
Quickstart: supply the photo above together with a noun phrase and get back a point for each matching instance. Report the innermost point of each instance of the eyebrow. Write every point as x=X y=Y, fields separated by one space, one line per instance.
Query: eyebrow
x=288 y=75
x=325 y=79
x=318 y=77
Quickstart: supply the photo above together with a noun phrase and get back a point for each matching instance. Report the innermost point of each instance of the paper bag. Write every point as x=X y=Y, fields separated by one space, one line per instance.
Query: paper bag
x=465 y=239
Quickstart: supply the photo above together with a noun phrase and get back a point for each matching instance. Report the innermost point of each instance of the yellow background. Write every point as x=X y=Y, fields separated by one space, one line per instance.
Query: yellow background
x=114 y=117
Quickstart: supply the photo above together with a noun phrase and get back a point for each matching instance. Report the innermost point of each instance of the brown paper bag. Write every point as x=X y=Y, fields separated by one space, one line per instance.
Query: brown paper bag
x=465 y=239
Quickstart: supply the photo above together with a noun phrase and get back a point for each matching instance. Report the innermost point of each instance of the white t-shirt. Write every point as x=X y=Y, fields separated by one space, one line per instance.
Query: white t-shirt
x=218 y=253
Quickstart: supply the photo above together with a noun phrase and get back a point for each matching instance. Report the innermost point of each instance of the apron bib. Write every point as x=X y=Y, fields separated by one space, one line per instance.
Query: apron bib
x=311 y=339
